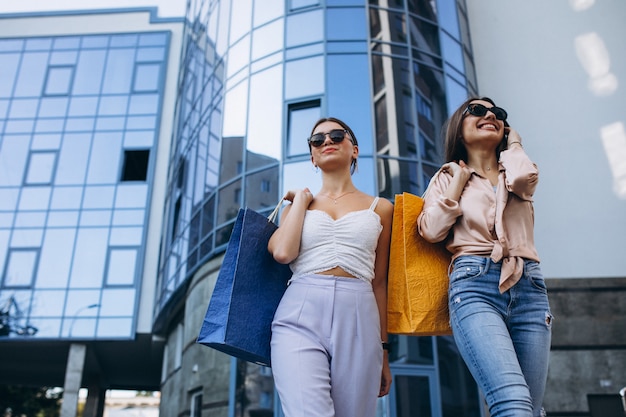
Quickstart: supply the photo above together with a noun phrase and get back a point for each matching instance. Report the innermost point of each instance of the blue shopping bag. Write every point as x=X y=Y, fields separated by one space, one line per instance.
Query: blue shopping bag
x=249 y=287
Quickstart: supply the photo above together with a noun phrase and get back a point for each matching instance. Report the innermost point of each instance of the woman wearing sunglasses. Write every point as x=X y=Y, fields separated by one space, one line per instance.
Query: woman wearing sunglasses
x=329 y=334
x=481 y=204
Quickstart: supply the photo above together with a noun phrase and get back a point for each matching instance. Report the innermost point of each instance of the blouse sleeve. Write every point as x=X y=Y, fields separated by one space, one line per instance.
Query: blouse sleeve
x=439 y=213
x=521 y=174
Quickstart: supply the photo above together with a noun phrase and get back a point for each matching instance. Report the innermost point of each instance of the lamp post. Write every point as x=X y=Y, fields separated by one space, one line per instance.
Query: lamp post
x=80 y=310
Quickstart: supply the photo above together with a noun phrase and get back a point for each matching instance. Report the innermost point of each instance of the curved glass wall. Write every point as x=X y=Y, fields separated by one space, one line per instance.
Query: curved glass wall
x=78 y=121
x=257 y=74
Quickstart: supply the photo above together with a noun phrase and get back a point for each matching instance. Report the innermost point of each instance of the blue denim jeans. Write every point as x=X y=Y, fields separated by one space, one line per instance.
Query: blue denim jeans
x=504 y=339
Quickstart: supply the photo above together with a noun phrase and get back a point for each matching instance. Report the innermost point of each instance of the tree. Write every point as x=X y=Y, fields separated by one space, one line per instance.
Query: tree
x=30 y=401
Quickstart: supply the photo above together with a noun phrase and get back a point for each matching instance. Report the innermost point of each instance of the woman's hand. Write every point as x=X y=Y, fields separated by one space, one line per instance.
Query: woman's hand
x=303 y=195
x=512 y=137
x=385 y=381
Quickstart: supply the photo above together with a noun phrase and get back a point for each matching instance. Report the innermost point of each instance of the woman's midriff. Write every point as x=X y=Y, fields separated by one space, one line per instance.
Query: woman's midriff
x=338 y=272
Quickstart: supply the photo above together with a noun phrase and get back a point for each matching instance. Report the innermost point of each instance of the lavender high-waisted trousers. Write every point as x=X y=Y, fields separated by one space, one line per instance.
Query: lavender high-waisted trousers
x=326 y=349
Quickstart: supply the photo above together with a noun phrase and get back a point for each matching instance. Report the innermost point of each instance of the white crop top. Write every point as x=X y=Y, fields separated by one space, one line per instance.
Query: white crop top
x=348 y=242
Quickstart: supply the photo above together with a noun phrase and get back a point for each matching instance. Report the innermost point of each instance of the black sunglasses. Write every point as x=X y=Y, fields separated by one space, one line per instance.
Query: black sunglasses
x=336 y=135
x=477 y=109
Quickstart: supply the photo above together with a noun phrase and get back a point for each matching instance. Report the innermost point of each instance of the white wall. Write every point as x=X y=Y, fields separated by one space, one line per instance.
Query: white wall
x=527 y=61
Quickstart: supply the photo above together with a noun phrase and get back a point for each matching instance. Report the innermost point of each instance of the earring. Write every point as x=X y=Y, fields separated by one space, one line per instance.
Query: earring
x=317 y=169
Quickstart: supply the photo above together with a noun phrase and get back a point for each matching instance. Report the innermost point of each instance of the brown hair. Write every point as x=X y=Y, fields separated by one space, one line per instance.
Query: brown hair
x=454 y=148
x=353 y=165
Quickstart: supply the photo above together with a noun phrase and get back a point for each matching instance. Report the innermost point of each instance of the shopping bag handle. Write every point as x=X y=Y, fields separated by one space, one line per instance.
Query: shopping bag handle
x=274 y=214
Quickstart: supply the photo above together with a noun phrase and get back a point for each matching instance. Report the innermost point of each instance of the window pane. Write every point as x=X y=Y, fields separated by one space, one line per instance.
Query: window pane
x=314 y=24
x=34 y=198
x=119 y=71
x=144 y=104
x=88 y=262
x=40 y=167
x=58 y=80
x=53 y=107
x=147 y=77
x=83 y=106
x=267 y=39
x=262 y=189
x=98 y=197
x=89 y=71
x=8 y=72
x=21 y=265
x=113 y=105
x=264 y=133
x=117 y=302
x=312 y=70
x=23 y=108
x=121 y=268
x=131 y=196
x=301 y=120
x=73 y=159
x=32 y=74
x=412 y=396
x=105 y=158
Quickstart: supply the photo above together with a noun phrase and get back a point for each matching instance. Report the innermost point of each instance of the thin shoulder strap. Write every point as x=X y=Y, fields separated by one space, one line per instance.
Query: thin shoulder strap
x=374 y=203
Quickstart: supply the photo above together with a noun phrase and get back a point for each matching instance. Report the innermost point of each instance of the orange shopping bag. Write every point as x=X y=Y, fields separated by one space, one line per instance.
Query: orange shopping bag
x=418 y=276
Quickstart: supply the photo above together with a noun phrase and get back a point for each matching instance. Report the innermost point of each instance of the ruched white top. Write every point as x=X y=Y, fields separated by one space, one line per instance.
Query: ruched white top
x=348 y=242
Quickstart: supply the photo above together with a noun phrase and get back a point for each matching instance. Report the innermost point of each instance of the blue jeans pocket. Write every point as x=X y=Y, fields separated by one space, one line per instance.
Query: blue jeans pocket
x=534 y=274
x=466 y=269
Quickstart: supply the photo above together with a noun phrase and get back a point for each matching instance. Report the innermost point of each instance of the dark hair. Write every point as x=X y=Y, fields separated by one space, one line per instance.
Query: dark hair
x=454 y=148
x=353 y=165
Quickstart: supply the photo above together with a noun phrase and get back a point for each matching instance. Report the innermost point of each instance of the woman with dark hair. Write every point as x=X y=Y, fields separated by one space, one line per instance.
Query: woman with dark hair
x=329 y=333
x=481 y=204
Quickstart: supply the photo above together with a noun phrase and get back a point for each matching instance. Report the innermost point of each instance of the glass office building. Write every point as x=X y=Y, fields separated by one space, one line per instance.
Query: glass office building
x=255 y=76
x=86 y=100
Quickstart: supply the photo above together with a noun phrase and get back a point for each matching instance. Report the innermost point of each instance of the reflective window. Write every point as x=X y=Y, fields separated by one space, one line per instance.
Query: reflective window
x=146 y=77
x=33 y=70
x=264 y=144
x=98 y=197
x=302 y=117
x=53 y=107
x=56 y=257
x=58 y=80
x=268 y=10
x=312 y=70
x=113 y=105
x=83 y=106
x=40 y=167
x=119 y=71
x=20 y=267
x=299 y=4
x=452 y=52
x=121 y=266
x=313 y=22
x=8 y=73
x=262 y=189
x=235 y=111
x=89 y=70
x=63 y=57
x=23 y=108
x=267 y=39
x=34 y=198
x=143 y=104
x=241 y=19
x=346 y=24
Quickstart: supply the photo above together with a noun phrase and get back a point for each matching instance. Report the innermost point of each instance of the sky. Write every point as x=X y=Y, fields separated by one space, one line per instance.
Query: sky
x=166 y=8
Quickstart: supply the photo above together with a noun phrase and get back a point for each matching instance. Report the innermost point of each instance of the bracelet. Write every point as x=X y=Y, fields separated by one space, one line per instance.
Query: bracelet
x=386 y=346
x=516 y=141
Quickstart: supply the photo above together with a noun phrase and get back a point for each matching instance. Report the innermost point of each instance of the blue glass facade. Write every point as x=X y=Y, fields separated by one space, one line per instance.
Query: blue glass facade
x=79 y=116
x=256 y=75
